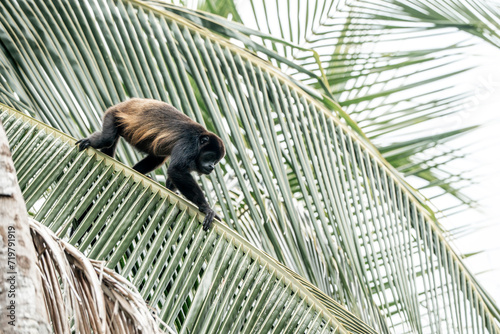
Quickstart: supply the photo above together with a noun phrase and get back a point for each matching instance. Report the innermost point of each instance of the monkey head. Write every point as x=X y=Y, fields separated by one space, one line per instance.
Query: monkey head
x=211 y=151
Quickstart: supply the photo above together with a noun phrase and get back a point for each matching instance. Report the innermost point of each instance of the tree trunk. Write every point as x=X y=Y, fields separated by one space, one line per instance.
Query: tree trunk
x=22 y=307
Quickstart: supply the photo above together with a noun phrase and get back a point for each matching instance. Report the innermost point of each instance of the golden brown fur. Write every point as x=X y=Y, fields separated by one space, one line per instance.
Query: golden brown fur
x=152 y=126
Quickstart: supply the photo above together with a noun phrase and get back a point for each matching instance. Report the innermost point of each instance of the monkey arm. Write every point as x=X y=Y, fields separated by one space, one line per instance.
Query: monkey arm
x=186 y=184
x=149 y=164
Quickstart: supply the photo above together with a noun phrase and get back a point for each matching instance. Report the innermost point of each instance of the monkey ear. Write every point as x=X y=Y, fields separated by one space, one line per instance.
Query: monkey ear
x=204 y=140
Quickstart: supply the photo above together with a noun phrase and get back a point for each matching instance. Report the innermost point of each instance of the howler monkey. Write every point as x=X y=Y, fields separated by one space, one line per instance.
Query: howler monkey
x=162 y=131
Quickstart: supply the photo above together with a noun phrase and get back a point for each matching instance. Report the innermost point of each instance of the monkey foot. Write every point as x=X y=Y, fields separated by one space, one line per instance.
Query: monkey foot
x=83 y=143
x=209 y=217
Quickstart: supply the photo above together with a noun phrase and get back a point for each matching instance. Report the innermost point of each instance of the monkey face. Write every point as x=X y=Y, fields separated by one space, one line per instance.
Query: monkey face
x=211 y=152
x=207 y=161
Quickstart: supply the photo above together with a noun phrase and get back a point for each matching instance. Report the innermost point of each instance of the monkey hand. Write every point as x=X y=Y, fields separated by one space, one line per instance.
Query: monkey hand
x=209 y=217
x=83 y=143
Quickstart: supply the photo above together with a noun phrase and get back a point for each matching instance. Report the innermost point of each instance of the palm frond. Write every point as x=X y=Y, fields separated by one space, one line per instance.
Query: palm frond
x=379 y=59
x=85 y=296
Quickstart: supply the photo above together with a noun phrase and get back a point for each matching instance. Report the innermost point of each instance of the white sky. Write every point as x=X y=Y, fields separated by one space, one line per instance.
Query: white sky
x=484 y=160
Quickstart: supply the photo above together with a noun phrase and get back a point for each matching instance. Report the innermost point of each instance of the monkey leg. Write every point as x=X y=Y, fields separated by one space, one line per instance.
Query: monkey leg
x=170 y=185
x=149 y=163
x=107 y=138
x=111 y=150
